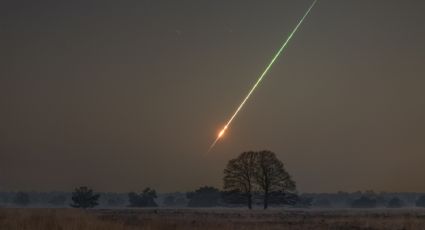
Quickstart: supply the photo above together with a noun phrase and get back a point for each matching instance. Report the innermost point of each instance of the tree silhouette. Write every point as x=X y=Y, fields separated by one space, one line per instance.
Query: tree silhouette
x=271 y=176
x=239 y=175
x=257 y=172
x=83 y=197
x=145 y=199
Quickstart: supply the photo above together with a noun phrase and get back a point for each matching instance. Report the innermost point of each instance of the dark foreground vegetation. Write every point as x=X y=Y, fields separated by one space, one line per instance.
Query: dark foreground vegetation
x=252 y=179
x=207 y=197
x=223 y=219
x=252 y=183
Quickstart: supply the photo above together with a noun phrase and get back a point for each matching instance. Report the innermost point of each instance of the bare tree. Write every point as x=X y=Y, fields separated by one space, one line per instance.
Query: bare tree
x=239 y=175
x=271 y=176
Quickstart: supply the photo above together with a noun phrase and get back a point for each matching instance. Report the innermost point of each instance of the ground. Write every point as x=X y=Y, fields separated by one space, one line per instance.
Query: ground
x=222 y=219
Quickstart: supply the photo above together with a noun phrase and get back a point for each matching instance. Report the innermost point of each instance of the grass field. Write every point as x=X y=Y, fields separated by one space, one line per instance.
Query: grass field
x=222 y=219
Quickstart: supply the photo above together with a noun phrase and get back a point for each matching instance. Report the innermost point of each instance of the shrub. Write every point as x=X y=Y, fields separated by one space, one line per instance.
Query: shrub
x=83 y=197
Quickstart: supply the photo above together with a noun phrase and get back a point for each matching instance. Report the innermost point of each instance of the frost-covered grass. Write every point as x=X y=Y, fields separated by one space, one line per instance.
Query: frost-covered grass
x=216 y=218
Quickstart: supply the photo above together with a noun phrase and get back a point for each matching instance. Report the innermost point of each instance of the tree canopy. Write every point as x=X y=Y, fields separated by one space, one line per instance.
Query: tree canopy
x=84 y=197
x=259 y=172
x=239 y=175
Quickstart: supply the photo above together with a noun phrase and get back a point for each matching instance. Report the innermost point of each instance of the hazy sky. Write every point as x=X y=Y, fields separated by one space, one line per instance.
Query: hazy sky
x=120 y=95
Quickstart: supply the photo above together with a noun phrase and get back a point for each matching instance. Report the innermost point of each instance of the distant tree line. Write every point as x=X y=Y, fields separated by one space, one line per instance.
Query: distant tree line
x=144 y=199
x=250 y=179
x=367 y=199
x=208 y=196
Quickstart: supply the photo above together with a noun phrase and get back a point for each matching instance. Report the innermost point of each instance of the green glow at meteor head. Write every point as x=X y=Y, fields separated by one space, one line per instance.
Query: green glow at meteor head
x=221 y=133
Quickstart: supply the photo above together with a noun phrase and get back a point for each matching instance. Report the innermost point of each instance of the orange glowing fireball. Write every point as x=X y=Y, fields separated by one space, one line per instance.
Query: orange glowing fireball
x=221 y=133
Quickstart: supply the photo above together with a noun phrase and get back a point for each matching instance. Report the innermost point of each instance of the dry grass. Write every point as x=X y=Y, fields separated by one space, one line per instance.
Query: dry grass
x=54 y=219
x=222 y=219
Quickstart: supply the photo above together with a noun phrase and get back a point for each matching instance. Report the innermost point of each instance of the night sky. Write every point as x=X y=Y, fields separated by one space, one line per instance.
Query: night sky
x=120 y=95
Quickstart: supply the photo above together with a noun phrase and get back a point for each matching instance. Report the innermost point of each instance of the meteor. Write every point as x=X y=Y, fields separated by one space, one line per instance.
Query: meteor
x=223 y=131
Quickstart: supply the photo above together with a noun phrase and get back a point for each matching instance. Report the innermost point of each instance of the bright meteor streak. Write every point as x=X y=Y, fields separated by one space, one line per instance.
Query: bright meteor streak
x=221 y=133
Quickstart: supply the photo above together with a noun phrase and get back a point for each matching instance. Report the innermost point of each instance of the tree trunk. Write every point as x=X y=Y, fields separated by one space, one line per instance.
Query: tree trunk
x=249 y=201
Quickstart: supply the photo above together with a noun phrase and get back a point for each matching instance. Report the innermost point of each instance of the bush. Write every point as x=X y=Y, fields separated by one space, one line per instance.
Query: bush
x=83 y=197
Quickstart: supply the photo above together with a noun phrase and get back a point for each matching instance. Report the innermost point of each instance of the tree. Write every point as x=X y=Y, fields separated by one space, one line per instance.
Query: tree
x=421 y=201
x=239 y=175
x=395 y=203
x=204 y=197
x=145 y=199
x=271 y=176
x=22 y=199
x=84 y=197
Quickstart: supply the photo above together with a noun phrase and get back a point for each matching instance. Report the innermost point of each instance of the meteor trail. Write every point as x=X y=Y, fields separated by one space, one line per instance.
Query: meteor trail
x=221 y=133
